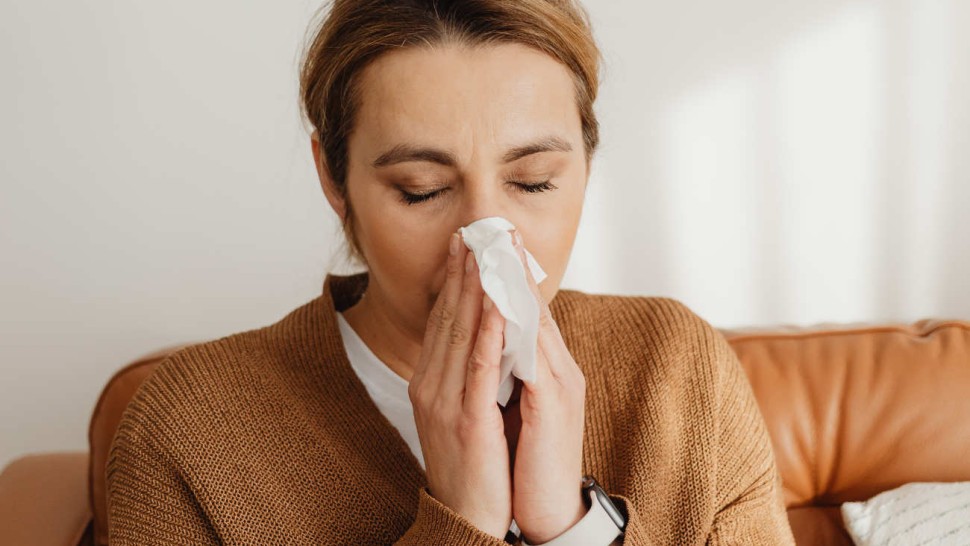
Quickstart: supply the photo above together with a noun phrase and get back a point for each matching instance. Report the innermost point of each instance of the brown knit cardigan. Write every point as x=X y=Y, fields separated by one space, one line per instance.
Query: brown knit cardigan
x=269 y=437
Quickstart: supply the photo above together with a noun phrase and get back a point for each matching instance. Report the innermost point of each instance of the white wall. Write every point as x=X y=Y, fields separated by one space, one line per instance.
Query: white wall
x=765 y=161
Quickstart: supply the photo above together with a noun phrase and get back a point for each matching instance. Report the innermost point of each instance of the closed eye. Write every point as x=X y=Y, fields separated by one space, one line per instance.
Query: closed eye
x=415 y=198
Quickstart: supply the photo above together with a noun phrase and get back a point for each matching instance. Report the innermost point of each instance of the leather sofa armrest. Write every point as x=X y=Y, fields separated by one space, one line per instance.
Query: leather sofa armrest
x=44 y=500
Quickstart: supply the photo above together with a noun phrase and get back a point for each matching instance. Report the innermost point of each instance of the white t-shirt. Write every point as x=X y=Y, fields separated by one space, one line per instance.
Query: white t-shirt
x=389 y=390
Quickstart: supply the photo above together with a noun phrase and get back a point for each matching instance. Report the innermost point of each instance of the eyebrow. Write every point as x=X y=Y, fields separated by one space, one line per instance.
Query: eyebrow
x=406 y=152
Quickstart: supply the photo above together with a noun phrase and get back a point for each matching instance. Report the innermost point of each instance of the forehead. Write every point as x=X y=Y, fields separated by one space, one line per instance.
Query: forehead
x=496 y=94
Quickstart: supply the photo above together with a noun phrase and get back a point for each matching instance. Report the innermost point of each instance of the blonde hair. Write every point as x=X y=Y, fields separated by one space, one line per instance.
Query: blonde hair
x=356 y=32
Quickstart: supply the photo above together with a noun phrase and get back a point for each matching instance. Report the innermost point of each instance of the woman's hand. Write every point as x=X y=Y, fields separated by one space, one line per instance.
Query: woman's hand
x=453 y=392
x=548 y=458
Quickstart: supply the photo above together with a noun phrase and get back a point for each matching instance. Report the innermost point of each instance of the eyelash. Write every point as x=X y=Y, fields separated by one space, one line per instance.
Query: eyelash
x=414 y=198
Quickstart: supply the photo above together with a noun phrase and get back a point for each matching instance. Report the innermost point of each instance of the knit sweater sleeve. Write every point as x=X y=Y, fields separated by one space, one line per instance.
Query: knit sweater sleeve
x=148 y=500
x=436 y=523
x=751 y=506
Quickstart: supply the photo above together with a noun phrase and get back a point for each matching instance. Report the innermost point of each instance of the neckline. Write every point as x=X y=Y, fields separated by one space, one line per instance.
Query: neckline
x=395 y=456
x=380 y=374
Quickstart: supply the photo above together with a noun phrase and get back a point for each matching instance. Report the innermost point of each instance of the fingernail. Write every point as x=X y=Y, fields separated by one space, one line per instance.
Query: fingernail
x=469 y=262
x=453 y=249
x=518 y=238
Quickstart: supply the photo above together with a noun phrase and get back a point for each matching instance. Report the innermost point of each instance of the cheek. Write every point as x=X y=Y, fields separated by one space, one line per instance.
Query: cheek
x=409 y=260
x=550 y=240
x=404 y=259
x=390 y=236
x=550 y=237
x=404 y=251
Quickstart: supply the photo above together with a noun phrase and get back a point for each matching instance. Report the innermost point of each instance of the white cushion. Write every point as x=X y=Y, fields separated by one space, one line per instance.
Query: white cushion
x=915 y=513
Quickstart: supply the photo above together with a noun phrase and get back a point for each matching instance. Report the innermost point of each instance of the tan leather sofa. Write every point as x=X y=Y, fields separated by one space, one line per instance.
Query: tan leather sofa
x=853 y=410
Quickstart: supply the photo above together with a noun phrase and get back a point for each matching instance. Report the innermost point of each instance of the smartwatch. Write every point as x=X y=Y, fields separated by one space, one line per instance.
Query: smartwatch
x=602 y=523
x=591 y=486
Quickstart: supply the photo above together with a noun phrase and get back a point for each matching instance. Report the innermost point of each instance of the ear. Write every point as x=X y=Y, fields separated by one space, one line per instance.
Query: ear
x=326 y=182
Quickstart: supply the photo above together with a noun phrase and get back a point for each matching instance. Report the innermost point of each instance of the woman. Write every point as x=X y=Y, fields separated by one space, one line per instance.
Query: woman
x=369 y=415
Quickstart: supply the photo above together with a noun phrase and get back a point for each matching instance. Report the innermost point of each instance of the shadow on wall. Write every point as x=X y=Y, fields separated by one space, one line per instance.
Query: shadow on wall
x=793 y=162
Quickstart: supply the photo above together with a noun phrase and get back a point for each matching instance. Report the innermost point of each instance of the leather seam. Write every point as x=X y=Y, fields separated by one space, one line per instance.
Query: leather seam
x=743 y=338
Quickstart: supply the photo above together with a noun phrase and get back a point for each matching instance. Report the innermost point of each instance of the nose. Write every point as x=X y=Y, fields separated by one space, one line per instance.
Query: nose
x=482 y=197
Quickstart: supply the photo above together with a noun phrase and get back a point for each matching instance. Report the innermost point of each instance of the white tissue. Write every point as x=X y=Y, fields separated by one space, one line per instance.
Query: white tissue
x=504 y=280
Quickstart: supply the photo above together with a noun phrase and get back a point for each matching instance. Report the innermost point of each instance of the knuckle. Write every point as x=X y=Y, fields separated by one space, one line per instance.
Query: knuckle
x=445 y=316
x=435 y=316
x=581 y=383
x=417 y=395
x=575 y=376
x=471 y=284
x=546 y=320
x=454 y=268
x=459 y=335
x=478 y=365
x=490 y=326
x=446 y=312
x=577 y=389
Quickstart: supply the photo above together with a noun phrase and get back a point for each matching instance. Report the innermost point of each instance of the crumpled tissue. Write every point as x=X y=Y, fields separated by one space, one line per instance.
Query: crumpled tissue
x=504 y=280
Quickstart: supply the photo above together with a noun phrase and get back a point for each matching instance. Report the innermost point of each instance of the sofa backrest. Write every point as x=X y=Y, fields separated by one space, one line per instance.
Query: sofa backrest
x=104 y=422
x=852 y=410
x=855 y=410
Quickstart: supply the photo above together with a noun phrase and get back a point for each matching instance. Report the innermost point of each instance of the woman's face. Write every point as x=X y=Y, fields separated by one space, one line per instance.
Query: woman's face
x=468 y=126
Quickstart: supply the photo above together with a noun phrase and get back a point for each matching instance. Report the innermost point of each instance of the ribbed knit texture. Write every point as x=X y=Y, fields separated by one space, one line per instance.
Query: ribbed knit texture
x=269 y=437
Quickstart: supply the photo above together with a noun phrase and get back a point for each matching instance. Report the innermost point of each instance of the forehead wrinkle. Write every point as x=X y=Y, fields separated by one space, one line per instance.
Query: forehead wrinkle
x=395 y=103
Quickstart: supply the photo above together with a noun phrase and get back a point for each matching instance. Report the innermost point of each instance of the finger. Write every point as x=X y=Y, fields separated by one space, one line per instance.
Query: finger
x=484 y=364
x=442 y=314
x=550 y=338
x=519 y=245
x=461 y=337
x=545 y=378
